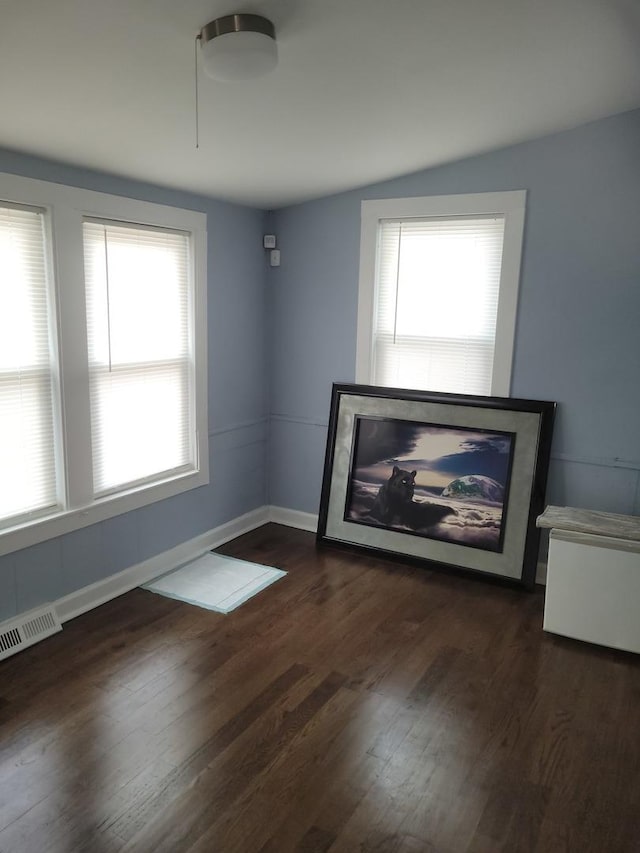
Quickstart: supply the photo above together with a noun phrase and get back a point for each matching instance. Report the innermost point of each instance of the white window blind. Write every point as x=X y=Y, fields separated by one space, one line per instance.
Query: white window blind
x=27 y=447
x=437 y=289
x=141 y=361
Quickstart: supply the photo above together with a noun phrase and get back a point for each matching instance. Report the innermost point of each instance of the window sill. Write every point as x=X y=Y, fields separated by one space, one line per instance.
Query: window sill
x=46 y=527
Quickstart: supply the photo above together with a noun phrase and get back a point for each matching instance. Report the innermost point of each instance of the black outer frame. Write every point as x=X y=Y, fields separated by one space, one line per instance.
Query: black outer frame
x=544 y=408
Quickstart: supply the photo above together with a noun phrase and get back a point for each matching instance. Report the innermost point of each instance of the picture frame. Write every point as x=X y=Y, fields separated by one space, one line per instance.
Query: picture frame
x=446 y=481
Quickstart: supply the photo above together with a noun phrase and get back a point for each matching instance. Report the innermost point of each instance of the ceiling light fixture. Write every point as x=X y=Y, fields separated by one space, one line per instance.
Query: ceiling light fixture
x=237 y=47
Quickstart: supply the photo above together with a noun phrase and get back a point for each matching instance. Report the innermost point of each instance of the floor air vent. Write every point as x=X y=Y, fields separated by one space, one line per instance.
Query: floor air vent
x=27 y=629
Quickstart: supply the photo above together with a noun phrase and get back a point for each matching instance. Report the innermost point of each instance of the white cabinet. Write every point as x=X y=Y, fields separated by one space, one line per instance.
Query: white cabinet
x=593 y=589
x=593 y=579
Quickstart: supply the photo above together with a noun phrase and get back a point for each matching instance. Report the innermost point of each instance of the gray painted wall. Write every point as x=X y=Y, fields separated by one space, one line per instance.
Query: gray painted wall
x=577 y=336
x=238 y=408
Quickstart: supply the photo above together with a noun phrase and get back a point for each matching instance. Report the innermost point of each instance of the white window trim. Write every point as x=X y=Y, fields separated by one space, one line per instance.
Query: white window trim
x=510 y=204
x=65 y=209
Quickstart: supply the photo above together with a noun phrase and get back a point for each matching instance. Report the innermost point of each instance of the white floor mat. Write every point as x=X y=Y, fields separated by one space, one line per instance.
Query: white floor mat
x=215 y=582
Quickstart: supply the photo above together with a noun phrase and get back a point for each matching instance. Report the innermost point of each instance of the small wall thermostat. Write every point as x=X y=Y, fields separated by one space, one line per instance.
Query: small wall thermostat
x=269 y=241
x=274 y=257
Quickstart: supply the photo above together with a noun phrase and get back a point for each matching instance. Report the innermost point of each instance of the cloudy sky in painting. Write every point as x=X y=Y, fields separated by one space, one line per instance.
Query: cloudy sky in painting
x=438 y=453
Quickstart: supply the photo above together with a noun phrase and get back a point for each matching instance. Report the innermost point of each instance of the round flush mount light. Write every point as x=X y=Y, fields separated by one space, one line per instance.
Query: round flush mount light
x=237 y=47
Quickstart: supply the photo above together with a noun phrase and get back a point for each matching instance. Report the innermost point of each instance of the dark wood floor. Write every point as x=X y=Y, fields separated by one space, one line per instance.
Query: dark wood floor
x=355 y=706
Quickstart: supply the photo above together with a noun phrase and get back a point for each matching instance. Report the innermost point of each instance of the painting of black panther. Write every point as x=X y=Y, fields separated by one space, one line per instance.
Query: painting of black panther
x=440 y=482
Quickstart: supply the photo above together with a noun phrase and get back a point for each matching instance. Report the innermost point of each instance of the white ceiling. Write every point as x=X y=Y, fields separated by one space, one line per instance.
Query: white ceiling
x=364 y=89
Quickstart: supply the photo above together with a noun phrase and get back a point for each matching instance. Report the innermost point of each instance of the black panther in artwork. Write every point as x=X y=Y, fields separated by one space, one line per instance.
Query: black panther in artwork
x=394 y=496
x=394 y=505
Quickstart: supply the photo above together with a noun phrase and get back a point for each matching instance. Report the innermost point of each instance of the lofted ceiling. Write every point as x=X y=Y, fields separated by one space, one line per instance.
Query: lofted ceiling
x=364 y=89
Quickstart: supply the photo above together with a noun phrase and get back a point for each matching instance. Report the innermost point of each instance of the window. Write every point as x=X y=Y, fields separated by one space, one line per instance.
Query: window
x=139 y=360
x=438 y=292
x=102 y=357
x=27 y=457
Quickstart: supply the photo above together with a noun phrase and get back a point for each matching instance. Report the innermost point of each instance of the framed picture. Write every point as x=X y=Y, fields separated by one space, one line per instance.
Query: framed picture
x=444 y=479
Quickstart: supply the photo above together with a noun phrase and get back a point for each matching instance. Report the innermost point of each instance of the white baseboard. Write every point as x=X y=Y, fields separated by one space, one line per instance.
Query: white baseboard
x=293 y=518
x=98 y=593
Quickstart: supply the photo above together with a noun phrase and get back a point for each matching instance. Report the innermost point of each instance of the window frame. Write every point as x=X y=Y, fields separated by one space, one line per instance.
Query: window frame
x=66 y=208
x=510 y=204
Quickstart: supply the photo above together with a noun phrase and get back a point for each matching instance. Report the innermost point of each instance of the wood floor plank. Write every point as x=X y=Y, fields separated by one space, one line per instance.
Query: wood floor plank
x=272 y=793
x=182 y=789
x=357 y=706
